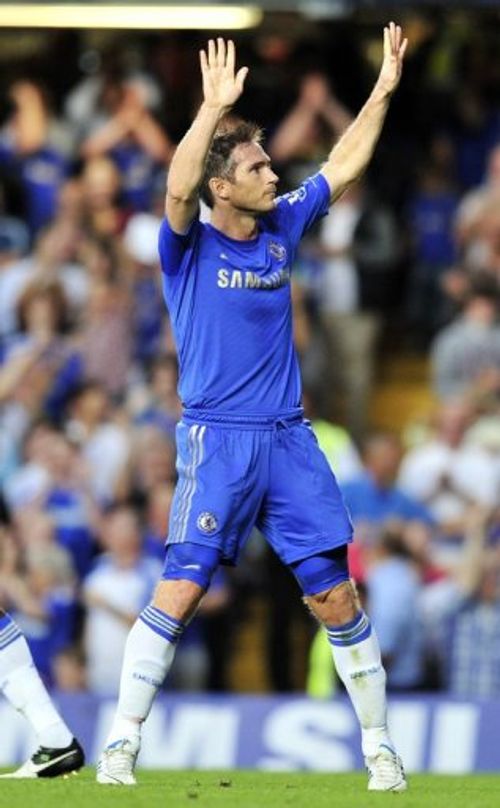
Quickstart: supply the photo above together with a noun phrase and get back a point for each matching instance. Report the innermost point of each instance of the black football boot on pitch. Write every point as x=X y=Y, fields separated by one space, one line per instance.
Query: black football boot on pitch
x=47 y=762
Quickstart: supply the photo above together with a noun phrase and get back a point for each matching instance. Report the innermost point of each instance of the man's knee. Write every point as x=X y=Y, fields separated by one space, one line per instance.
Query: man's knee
x=322 y=572
x=186 y=577
x=335 y=606
x=178 y=598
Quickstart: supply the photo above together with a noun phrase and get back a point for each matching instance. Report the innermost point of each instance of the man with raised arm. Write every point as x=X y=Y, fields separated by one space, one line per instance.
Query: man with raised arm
x=245 y=454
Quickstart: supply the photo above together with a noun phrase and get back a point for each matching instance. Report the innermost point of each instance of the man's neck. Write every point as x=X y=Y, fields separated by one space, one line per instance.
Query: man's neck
x=235 y=224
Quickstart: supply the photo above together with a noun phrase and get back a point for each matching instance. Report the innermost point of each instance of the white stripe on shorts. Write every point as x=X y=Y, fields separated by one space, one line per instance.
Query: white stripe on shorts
x=197 y=460
x=182 y=489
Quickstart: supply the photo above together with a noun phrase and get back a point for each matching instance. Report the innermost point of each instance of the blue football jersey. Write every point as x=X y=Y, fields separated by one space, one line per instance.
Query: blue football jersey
x=230 y=307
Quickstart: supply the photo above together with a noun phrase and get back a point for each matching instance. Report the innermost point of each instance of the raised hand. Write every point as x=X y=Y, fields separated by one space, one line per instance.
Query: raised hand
x=314 y=91
x=221 y=86
x=394 y=51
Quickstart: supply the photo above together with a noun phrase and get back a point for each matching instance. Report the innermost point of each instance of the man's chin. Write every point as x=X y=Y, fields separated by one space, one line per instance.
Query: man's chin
x=266 y=206
x=269 y=204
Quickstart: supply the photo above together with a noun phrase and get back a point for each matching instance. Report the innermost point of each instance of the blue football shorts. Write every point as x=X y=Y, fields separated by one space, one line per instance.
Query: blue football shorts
x=239 y=473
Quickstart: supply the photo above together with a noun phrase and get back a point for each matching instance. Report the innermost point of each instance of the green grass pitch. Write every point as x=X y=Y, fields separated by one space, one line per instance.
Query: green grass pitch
x=248 y=789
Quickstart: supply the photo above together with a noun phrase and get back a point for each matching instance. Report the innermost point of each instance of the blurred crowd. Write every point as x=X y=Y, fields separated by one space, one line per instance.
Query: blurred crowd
x=407 y=260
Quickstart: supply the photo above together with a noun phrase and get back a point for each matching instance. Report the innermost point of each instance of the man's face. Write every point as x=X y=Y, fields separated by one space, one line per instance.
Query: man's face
x=383 y=459
x=121 y=533
x=253 y=185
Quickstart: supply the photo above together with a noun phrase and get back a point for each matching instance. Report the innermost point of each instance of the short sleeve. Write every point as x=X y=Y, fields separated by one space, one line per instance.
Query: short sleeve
x=298 y=210
x=174 y=247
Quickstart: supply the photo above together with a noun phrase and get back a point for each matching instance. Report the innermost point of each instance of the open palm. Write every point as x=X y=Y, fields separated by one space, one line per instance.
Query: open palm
x=394 y=51
x=221 y=86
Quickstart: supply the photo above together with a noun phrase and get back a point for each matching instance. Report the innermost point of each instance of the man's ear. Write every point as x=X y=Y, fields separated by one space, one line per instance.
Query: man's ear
x=219 y=188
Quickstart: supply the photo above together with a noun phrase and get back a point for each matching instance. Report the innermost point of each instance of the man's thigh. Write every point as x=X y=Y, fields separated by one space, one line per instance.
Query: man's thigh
x=219 y=489
x=304 y=512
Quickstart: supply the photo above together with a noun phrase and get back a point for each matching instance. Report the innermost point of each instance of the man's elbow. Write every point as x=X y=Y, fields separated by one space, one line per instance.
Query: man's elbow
x=180 y=194
x=341 y=177
x=340 y=185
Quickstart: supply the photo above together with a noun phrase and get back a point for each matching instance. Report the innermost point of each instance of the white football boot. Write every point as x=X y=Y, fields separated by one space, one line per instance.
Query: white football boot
x=385 y=771
x=117 y=762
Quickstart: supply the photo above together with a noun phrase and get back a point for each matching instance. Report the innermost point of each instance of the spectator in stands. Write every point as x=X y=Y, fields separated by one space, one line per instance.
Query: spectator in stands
x=467 y=352
x=129 y=134
x=69 y=670
x=14 y=272
x=336 y=443
x=29 y=478
x=40 y=365
x=488 y=259
x=462 y=616
x=102 y=212
x=152 y=463
x=358 y=249
x=374 y=497
x=54 y=480
x=447 y=474
x=35 y=147
x=304 y=135
x=106 y=336
x=156 y=518
x=119 y=587
x=476 y=127
x=141 y=244
x=163 y=409
x=42 y=601
x=105 y=444
x=55 y=259
x=34 y=528
x=392 y=577
x=419 y=539
x=471 y=211
x=83 y=103
x=309 y=337
x=14 y=276
x=431 y=211
x=68 y=499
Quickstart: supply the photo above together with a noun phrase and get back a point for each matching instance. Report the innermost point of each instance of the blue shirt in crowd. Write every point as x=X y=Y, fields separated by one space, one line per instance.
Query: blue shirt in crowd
x=365 y=500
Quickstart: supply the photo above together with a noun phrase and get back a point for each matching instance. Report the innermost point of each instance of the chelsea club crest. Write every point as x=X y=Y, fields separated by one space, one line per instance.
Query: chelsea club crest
x=206 y=522
x=277 y=250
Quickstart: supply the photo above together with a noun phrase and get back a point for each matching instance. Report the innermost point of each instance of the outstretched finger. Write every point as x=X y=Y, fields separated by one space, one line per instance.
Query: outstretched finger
x=212 y=61
x=402 y=49
x=398 y=37
x=203 y=62
x=387 y=41
x=241 y=76
x=231 y=56
x=221 y=52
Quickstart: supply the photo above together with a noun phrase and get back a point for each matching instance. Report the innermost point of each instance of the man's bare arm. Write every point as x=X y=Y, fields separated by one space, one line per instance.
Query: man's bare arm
x=352 y=153
x=221 y=89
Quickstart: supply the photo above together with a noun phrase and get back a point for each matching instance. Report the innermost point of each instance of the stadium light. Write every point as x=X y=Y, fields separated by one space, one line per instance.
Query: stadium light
x=150 y=17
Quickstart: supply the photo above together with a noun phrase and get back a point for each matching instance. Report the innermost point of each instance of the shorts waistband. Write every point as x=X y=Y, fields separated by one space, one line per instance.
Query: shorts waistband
x=228 y=421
